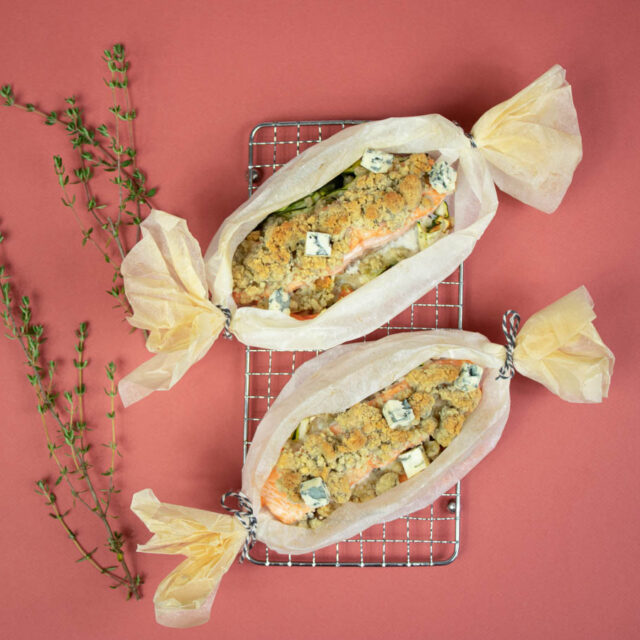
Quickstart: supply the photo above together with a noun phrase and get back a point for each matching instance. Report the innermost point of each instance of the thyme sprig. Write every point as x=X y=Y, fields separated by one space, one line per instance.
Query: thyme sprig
x=101 y=149
x=69 y=447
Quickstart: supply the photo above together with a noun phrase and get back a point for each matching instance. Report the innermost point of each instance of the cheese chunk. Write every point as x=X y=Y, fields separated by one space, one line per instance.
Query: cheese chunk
x=398 y=413
x=469 y=378
x=443 y=177
x=279 y=301
x=317 y=244
x=377 y=161
x=413 y=461
x=314 y=492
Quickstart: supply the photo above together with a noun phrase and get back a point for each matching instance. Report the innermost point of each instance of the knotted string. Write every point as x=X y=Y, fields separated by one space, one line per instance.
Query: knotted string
x=471 y=139
x=468 y=135
x=246 y=516
x=227 y=321
x=510 y=326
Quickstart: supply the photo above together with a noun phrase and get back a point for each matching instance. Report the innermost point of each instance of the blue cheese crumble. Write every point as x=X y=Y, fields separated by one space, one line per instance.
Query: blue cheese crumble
x=279 y=301
x=318 y=244
x=443 y=177
x=469 y=378
x=398 y=413
x=413 y=461
x=377 y=161
x=315 y=493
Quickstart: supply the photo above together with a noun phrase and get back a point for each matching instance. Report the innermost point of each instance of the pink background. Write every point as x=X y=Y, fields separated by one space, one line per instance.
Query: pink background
x=550 y=518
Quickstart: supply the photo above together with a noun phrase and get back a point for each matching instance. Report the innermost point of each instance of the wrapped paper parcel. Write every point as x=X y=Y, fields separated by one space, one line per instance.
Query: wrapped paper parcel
x=529 y=146
x=558 y=347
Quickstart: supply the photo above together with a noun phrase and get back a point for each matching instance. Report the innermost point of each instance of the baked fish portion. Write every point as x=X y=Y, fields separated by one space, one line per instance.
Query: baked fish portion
x=374 y=445
x=304 y=258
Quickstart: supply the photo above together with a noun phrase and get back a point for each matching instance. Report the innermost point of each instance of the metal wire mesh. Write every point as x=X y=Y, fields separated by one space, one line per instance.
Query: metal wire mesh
x=429 y=537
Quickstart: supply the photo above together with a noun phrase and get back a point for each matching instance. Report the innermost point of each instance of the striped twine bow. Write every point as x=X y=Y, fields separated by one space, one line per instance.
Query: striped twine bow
x=510 y=326
x=246 y=517
x=227 y=321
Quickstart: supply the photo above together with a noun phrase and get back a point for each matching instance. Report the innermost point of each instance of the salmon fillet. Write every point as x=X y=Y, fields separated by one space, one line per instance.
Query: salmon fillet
x=348 y=447
x=369 y=212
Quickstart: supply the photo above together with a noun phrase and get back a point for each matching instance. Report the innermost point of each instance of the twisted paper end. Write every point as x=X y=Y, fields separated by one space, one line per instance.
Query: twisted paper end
x=165 y=283
x=210 y=541
x=560 y=348
x=532 y=141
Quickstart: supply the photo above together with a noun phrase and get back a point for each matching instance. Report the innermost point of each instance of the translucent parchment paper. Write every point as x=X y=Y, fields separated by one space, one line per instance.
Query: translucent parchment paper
x=529 y=145
x=210 y=541
x=357 y=372
x=558 y=345
x=560 y=348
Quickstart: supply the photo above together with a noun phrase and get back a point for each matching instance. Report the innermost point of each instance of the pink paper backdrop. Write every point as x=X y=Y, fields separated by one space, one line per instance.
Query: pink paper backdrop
x=550 y=523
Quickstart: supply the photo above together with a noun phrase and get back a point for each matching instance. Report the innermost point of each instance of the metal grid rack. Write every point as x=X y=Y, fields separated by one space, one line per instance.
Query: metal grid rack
x=429 y=537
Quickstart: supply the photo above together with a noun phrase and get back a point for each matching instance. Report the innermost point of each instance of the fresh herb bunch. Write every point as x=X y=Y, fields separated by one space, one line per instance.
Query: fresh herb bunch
x=69 y=447
x=101 y=149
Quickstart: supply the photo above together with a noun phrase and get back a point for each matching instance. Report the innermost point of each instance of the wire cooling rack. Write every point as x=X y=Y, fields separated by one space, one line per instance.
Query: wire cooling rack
x=426 y=538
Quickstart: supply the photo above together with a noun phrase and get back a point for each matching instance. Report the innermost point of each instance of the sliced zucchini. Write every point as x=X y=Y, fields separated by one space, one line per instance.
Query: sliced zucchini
x=423 y=236
x=332 y=188
x=301 y=430
x=434 y=227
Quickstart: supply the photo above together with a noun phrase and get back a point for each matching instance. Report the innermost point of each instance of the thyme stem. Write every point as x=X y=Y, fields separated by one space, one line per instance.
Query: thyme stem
x=86 y=555
x=30 y=337
x=98 y=149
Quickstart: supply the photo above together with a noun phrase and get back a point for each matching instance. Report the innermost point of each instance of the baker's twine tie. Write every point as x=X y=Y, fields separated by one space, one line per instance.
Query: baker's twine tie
x=246 y=516
x=469 y=135
x=471 y=140
x=227 y=321
x=510 y=326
